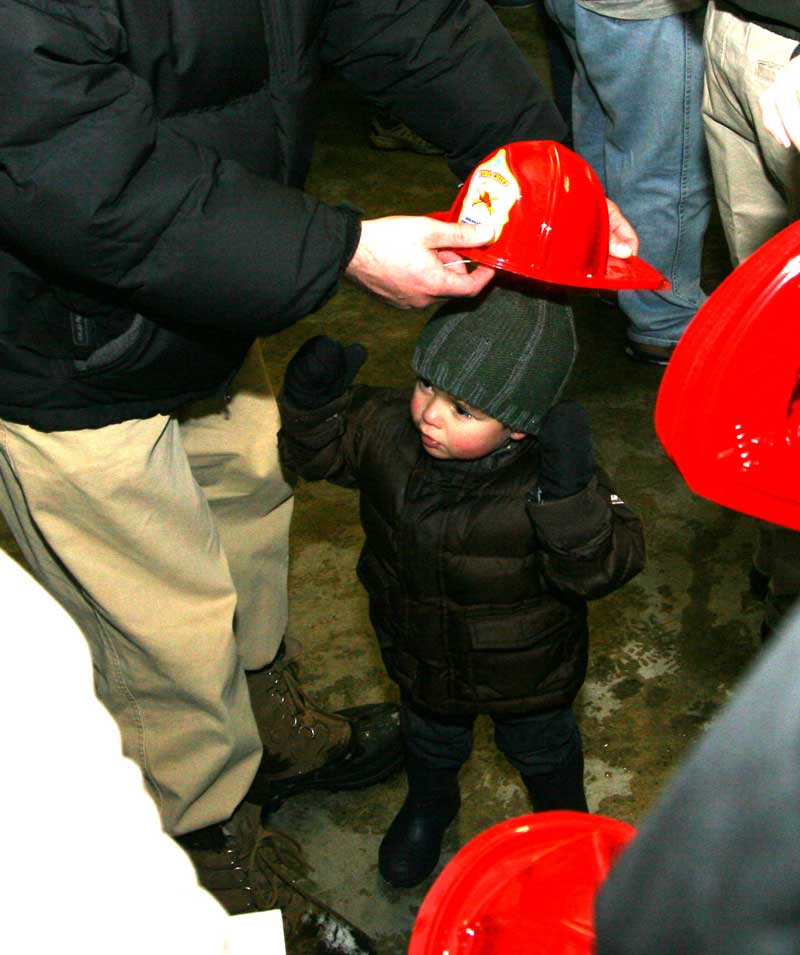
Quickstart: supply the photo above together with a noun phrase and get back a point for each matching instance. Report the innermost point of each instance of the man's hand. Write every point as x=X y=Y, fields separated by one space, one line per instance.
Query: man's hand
x=408 y=260
x=780 y=107
x=622 y=238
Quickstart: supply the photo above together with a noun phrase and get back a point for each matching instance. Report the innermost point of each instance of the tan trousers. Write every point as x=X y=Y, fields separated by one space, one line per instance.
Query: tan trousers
x=167 y=541
x=757 y=183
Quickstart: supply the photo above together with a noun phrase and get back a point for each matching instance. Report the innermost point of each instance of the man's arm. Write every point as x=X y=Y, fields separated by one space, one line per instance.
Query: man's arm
x=448 y=68
x=96 y=187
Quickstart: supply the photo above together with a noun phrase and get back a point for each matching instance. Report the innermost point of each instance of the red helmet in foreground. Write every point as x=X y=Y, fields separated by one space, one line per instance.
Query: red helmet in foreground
x=727 y=411
x=523 y=887
x=550 y=219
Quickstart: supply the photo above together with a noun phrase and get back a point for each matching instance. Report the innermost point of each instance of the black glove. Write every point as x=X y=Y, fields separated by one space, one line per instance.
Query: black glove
x=320 y=370
x=565 y=441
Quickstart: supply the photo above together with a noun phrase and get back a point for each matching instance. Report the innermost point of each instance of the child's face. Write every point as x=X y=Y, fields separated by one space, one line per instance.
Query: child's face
x=451 y=429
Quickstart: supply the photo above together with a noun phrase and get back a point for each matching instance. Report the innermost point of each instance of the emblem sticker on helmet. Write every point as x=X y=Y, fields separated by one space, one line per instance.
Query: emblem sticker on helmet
x=491 y=193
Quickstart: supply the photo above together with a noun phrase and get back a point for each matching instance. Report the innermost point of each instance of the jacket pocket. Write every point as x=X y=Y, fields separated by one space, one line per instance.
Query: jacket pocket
x=120 y=351
x=518 y=627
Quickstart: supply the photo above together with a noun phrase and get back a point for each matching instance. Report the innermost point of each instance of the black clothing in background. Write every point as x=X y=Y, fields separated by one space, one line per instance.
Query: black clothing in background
x=776 y=15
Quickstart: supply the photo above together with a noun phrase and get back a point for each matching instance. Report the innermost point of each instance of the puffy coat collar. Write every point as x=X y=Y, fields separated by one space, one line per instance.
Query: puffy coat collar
x=474 y=471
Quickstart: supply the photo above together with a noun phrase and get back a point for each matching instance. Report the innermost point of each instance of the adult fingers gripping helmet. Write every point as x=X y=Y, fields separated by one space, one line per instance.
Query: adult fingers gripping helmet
x=727 y=411
x=550 y=219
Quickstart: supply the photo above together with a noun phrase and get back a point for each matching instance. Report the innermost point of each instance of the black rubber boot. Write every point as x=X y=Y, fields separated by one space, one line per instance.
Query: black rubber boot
x=413 y=842
x=562 y=789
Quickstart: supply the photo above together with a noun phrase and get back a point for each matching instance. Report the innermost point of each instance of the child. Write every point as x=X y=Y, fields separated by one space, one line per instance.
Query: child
x=488 y=527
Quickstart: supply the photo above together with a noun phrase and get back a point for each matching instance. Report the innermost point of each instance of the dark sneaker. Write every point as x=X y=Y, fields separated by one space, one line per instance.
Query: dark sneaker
x=251 y=869
x=391 y=134
x=649 y=354
x=306 y=748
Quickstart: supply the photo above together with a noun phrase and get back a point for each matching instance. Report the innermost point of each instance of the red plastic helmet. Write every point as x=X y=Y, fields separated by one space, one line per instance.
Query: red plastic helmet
x=523 y=887
x=550 y=218
x=727 y=410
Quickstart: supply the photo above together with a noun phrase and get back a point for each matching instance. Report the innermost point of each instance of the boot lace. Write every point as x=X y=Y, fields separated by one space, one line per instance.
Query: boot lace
x=276 y=862
x=288 y=692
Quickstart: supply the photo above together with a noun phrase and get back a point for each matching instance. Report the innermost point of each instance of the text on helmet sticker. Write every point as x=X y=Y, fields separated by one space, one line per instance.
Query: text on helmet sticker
x=491 y=194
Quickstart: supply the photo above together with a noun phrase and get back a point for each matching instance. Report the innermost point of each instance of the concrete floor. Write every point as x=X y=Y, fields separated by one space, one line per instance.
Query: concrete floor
x=666 y=650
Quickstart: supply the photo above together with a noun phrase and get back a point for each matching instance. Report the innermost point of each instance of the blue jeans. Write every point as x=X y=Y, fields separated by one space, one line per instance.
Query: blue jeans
x=636 y=114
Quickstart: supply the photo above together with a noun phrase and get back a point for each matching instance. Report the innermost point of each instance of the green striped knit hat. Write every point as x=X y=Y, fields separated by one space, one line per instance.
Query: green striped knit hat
x=507 y=353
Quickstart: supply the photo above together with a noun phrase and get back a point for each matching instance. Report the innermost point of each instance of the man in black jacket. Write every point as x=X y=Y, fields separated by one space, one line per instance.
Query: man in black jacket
x=152 y=226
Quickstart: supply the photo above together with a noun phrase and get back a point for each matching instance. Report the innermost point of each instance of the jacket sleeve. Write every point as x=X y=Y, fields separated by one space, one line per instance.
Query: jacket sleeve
x=310 y=442
x=323 y=444
x=592 y=543
x=447 y=67
x=94 y=186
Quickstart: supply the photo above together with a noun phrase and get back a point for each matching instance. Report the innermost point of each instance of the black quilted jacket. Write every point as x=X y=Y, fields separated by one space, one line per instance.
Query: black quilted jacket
x=477 y=595
x=152 y=154
x=775 y=15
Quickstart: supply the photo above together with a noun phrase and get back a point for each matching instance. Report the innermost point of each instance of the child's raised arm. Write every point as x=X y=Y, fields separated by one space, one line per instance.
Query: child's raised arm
x=312 y=406
x=592 y=543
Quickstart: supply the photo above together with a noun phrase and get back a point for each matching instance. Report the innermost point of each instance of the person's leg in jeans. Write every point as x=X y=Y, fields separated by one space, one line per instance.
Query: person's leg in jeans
x=637 y=122
x=757 y=183
x=586 y=111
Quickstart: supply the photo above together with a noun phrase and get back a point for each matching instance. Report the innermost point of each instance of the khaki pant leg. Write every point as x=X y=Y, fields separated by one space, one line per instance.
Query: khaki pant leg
x=756 y=180
x=113 y=524
x=233 y=452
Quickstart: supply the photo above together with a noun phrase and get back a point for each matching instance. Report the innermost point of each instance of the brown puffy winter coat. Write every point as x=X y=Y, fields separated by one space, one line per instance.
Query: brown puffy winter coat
x=477 y=593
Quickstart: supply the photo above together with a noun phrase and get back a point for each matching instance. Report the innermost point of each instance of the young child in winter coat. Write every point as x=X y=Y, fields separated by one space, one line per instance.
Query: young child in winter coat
x=488 y=526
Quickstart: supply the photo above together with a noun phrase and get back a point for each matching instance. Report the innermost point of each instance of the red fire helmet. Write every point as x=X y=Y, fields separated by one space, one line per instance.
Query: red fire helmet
x=727 y=411
x=523 y=887
x=550 y=219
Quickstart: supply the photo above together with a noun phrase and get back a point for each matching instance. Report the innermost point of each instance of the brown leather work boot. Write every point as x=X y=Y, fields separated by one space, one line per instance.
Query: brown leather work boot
x=250 y=869
x=306 y=748
x=297 y=736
